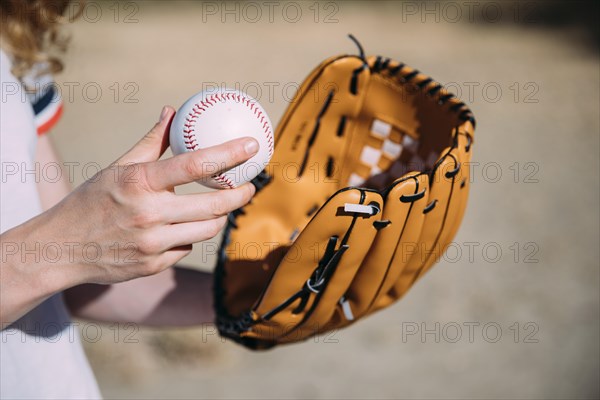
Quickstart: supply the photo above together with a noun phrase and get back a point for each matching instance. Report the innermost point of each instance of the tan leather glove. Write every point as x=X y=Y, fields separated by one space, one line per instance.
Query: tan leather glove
x=367 y=187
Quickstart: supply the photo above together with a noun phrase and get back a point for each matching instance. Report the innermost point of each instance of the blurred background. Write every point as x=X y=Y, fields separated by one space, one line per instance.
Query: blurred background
x=511 y=311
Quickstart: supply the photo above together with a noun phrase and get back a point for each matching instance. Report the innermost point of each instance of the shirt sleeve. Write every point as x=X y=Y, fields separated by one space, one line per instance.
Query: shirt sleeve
x=44 y=96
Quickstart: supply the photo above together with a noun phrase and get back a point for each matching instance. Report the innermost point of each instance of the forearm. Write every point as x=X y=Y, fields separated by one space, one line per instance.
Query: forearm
x=174 y=297
x=29 y=274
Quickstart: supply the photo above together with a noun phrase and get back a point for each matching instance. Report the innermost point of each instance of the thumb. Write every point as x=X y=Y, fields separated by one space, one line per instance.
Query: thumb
x=154 y=143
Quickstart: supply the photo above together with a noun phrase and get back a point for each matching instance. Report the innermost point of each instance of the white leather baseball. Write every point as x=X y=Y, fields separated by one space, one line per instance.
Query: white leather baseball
x=212 y=117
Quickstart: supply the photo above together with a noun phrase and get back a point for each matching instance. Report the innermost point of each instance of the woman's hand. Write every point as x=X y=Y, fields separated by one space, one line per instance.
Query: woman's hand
x=126 y=222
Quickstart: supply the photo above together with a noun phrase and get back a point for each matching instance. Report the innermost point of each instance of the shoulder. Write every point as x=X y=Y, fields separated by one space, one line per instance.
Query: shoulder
x=5 y=66
x=10 y=84
x=19 y=200
x=37 y=90
x=17 y=114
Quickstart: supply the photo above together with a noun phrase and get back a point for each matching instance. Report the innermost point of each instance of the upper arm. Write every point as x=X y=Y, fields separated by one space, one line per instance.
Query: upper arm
x=53 y=184
x=47 y=106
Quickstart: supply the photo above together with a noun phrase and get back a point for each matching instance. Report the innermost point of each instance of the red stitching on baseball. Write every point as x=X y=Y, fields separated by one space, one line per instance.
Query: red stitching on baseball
x=203 y=105
x=224 y=181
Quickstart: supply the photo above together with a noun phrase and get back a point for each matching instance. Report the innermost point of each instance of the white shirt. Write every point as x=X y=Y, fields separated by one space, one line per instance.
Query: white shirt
x=41 y=356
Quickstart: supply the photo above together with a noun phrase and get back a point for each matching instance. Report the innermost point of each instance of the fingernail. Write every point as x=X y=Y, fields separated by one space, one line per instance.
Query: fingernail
x=251 y=147
x=163 y=113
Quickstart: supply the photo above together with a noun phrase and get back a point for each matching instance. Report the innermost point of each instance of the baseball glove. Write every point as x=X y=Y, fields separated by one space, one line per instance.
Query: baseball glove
x=367 y=187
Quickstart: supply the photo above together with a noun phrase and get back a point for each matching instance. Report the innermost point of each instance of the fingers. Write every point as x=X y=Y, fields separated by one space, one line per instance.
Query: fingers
x=191 y=232
x=203 y=206
x=170 y=258
x=154 y=143
x=195 y=165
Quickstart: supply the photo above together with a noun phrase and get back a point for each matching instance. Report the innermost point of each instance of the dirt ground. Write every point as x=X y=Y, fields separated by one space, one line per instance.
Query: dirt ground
x=512 y=312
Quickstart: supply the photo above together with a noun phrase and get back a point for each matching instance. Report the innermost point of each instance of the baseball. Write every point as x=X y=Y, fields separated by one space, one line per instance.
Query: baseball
x=212 y=117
